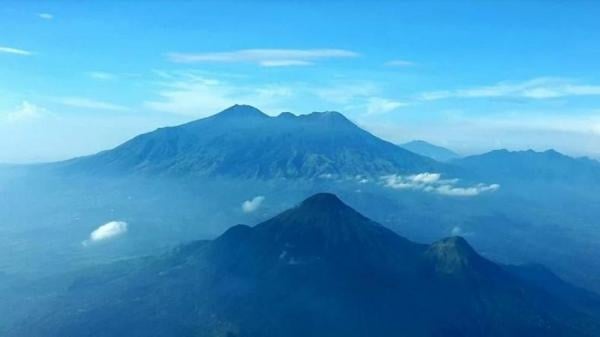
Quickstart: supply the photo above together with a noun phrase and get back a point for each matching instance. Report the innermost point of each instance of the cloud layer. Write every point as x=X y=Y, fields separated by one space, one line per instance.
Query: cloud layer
x=253 y=204
x=433 y=183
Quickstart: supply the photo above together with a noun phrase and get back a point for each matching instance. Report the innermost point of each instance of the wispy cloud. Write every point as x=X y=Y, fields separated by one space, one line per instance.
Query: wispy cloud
x=253 y=204
x=109 y=230
x=284 y=63
x=399 y=63
x=363 y=97
x=378 y=105
x=101 y=75
x=86 y=103
x=264 y=57
x=14 y=51
x=45 y=16
x=433 y=183
x=346 y=93
x=26 y=111
x=199 y=96
x=538 y=88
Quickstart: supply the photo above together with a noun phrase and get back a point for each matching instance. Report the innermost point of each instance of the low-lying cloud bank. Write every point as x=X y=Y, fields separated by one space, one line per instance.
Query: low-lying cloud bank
x=253 y=204
x=109 y=230
x=433 y=183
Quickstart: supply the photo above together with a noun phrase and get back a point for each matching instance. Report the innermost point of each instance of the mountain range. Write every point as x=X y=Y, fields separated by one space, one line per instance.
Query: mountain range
x=549 y=167
x=318 y=269
x=242 y=141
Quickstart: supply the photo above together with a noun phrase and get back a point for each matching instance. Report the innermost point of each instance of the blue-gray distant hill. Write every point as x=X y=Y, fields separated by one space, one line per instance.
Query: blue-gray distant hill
x=241 y=141
x=548 y=168
x=430 y=150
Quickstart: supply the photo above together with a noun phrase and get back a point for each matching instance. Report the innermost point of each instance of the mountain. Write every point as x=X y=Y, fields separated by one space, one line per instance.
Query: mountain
x=241 y=141
x=430 y=150
x=531 y=166
x=318 y=269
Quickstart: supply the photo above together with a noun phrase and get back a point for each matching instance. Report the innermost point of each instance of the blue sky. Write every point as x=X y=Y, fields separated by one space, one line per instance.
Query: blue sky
x=79 y=77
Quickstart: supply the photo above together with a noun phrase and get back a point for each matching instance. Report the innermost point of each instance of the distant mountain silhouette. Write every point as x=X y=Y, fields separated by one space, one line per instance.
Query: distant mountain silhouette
x=241 y=141
x=531 y=166
x=430 y=150
x=318 y=269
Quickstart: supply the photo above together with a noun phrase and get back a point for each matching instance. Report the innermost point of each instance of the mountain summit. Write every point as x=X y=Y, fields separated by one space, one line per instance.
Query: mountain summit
x=430 y=150
x=241 y=141
x=318 y=269
x=241 y=111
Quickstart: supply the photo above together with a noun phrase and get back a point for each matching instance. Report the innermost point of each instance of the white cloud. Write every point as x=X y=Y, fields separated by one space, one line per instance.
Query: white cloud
x=45 y=16
x=26 y=111
x=284 y=63
x=399 y=63
x=459 y=231
x=101 y=75
x=466 y=191
x=425 y=178
x=110 y=230
x=264 y=57
x=456 y=231
x=253 y=204
x=377 y=105
x=432 y=183
x=14 y=51
x=86 y=103
x=538 y=88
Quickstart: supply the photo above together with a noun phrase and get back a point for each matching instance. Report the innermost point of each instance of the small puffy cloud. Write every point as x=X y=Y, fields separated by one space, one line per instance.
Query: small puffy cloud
x=414 y=181
x=253 y=204
x=433 y=183
x=466 y=191
x=426 y=178
x=45 y=16
x=459 y=231
x=14 y=51
x=456 y=231
x=109 y=230
x=26 y=111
